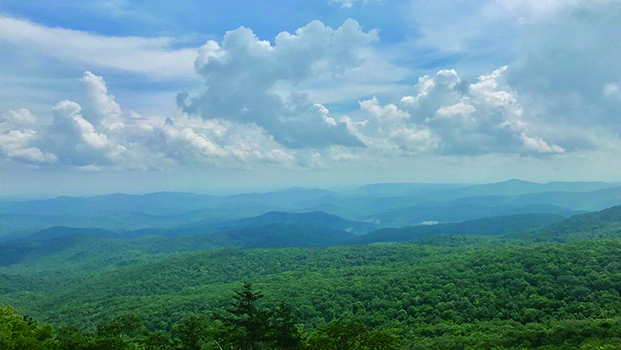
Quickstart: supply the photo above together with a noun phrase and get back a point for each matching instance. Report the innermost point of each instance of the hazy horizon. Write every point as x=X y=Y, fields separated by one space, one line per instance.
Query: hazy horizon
x=233 y=191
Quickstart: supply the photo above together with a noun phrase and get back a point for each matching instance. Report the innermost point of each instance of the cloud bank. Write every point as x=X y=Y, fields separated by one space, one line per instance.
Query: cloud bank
x=559 y=98
x=444 y=116
x=241 y=74
x=100 y=134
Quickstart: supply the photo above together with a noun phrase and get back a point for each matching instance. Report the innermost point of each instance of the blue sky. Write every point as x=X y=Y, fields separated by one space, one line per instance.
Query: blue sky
x=205 y=96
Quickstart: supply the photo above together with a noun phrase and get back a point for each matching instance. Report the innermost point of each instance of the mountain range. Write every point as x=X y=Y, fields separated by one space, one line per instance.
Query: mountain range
x=378 y=205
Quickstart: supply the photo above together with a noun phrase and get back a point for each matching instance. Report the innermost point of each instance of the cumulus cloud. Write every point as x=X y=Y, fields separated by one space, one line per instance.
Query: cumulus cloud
x=75 y=140
x=560 y=97
x=445 y=115
x=17 y=137
x=99 y=134
x=390 y=130
x=242 y=74
x=102 y=109
x=449 y=116
x=562 y=59
x=538 y=145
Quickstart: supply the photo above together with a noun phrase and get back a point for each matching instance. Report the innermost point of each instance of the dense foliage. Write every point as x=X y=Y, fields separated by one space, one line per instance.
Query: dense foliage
x=436 y=292
x=243 y=325
x=597 y=225
x=427 y=297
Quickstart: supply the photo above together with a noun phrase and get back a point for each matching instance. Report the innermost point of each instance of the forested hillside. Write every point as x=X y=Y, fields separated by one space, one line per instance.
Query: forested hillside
x=93 y=249
x=597 y=225
x=531 y=281
x=431 y=297
x=492 y=226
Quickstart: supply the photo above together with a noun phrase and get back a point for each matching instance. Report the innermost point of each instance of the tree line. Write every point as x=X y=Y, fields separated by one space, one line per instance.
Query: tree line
x=244 y=325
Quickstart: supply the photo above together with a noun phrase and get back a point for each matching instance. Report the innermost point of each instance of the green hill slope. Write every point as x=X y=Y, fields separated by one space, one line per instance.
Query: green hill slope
x=68 y=249
x=428 y=295
x=446 y=292
x=597 y=225
x=482 y=227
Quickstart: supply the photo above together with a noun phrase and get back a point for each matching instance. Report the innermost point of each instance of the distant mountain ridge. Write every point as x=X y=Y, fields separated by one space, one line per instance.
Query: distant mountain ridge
x=315 y=219
x=270 y=230
x=491 y=226
x=602 y=224
x=468 y=208
x=415 y=215
x=598 y=225
x=312 y=218
x=89 y=248
x=68 y=242
x=282 y=235
x=378 y=205
x=168 y=203
x=516 y=187
x=587 y=200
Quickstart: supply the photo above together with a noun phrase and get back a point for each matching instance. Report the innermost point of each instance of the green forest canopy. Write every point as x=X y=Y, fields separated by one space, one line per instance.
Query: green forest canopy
x=467 y=293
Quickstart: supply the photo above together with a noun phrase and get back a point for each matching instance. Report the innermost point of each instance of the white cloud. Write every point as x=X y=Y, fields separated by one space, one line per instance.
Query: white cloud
x=101 y=136
x=102 y=108
x=17 y=136
x=561 y=57
x=445 y=116
x=242 y=73
x=389 y=130
x=451 y=117
x=19 y=118
x=75 y=141
x=154 y=57
x=536 y=144
x=612 y=90
x=350 y=3
x=390 y=113
x=459 y=109
x=265 y=101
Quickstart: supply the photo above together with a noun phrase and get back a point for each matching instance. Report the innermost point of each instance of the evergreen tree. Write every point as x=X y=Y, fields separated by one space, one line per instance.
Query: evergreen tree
x=248 y=325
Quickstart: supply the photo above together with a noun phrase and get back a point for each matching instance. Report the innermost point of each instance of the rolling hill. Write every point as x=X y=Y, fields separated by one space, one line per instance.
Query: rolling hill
x=387 y=205
x=273 y=217
x=93 y=248
x=492 y=226
x=587 y=201
x=598 y=225
x=416 y=215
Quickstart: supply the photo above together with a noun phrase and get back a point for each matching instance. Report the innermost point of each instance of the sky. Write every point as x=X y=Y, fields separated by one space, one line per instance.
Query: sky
x=220 y=97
